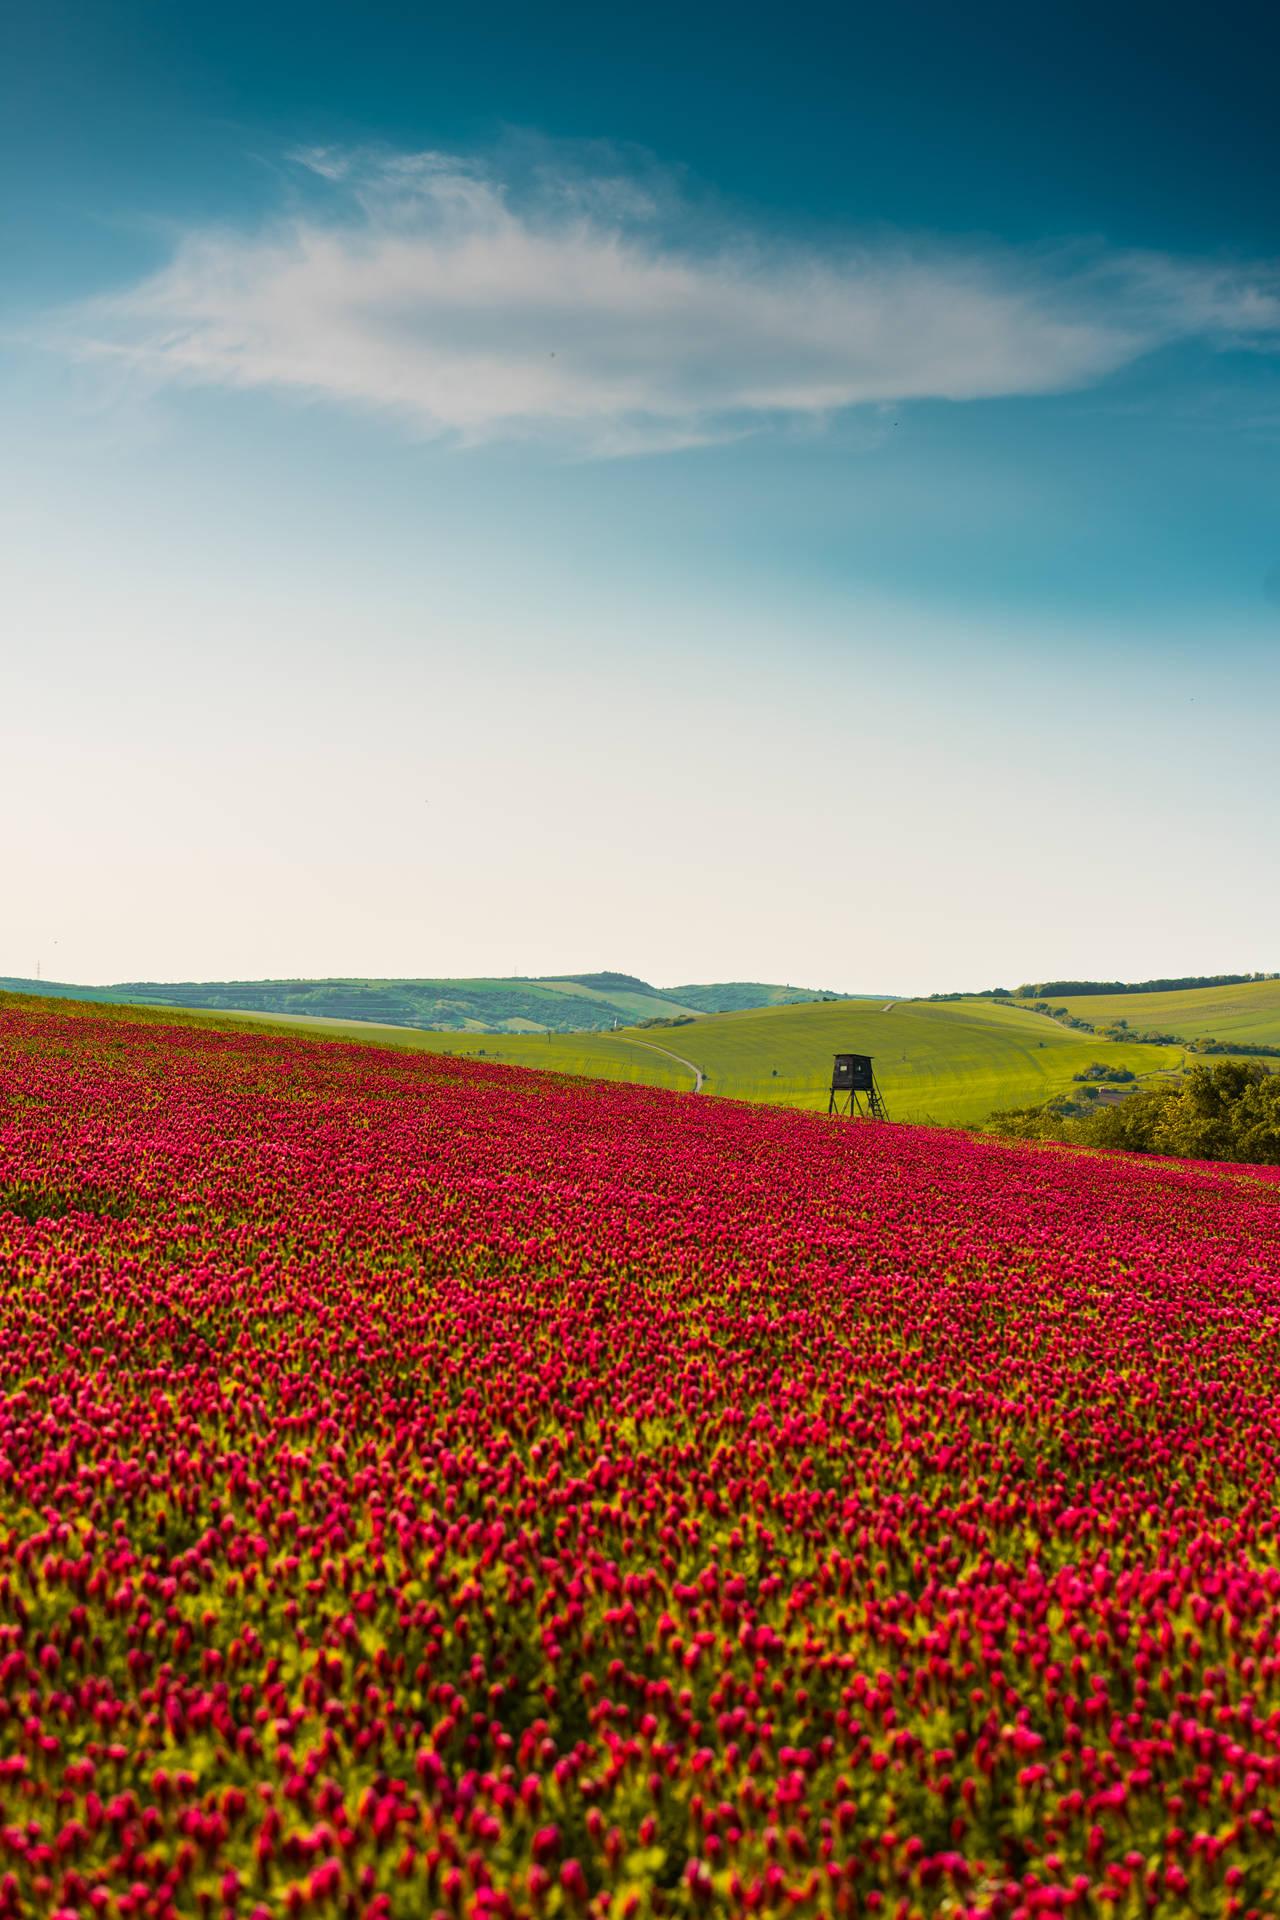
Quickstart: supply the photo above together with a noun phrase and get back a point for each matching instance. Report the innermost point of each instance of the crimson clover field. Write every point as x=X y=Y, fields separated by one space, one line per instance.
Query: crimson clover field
x=436 y=1489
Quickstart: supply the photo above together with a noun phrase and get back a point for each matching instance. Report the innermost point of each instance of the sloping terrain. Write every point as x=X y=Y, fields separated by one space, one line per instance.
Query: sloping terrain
x=452 y=1005
x=1248 y=1012
x=947 y=1062
x=434 y=1490
x=583 y=1002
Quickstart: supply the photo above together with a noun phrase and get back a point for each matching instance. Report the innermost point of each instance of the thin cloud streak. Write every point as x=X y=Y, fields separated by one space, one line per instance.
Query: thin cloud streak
x=421 y=286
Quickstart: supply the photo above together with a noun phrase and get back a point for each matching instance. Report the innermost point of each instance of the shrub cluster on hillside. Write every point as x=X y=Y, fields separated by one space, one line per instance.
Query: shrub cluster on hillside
x=1064 y=1016
x=1203 y=1043
x=1227 y=1112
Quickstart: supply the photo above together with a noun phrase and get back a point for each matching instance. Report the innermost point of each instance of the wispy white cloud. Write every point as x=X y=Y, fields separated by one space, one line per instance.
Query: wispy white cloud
x=424 y=286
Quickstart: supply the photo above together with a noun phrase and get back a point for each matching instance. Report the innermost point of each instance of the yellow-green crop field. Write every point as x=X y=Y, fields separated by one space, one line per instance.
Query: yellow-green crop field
x=1248 y=1013
x=951 y=1063
x=947 y=1062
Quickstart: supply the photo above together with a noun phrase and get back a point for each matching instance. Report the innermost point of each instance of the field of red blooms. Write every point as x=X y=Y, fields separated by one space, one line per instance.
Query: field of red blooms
x=436 y=1489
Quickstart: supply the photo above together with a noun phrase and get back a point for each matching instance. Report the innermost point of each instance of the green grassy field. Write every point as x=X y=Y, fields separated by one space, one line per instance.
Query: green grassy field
x=949 y=1063
x=1244 y=1013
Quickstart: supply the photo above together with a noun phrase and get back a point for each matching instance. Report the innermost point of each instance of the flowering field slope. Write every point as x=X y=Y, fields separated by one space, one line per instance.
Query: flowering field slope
x=431 y=1488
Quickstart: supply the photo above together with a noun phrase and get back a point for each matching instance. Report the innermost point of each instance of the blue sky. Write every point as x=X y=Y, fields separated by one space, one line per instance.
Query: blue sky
x=709 y=493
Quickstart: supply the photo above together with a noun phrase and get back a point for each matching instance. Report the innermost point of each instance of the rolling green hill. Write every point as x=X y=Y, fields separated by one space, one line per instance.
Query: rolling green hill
x=946 y=1061
x=950 y=1063
x=575 y=1003
x=1244 y=1013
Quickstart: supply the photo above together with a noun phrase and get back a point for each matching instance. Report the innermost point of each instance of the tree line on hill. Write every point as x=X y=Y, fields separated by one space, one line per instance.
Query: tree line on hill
x=1074 y=989
x=1227 y=1112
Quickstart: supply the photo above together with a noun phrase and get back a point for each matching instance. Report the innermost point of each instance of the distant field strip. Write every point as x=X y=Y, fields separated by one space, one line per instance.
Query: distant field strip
x=1245 y=1013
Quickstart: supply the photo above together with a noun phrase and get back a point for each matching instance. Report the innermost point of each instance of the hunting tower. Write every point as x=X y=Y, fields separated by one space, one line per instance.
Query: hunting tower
x=852 y=1083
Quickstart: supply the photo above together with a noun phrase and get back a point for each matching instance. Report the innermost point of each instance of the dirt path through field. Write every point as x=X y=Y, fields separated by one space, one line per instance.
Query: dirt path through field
x=695 y=1071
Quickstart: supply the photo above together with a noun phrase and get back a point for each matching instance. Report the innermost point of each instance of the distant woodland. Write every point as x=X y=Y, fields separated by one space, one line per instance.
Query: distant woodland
x=1073 y=989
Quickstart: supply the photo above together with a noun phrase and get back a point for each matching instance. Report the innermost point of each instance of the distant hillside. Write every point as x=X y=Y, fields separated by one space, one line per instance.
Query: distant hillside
x=574 y=1003
x=1243 y=1013
x=947 y=1063
x=737 y=996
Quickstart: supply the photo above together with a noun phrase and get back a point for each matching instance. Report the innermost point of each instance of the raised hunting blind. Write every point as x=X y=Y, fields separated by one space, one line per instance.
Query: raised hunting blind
x=852 y=1084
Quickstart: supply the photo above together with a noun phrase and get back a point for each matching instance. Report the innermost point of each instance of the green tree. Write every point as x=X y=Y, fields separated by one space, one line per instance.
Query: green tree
x=1227 y=1112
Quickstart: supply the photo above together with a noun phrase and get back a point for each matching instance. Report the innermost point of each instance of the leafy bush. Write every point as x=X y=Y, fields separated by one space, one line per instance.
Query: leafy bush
x=1227 y=1112
x=1144 y=1036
